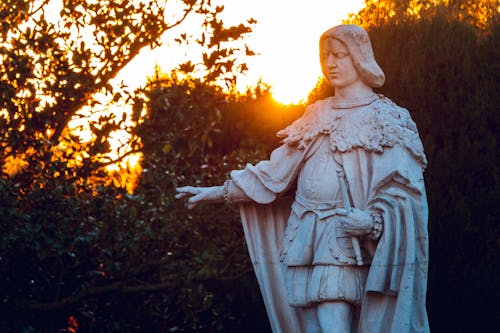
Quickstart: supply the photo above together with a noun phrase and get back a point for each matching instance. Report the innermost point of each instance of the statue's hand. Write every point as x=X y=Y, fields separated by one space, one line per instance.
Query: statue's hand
x=357 y=222
x=197 y=195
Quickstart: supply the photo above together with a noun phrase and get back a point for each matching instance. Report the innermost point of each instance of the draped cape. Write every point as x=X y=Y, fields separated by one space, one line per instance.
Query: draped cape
x=383 y=160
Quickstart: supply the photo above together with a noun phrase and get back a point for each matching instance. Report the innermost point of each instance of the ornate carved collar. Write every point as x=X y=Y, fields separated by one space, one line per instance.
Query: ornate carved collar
x=368 y=125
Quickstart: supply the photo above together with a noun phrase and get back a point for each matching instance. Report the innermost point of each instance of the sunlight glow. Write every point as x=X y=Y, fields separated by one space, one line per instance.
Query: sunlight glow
x=285 y=39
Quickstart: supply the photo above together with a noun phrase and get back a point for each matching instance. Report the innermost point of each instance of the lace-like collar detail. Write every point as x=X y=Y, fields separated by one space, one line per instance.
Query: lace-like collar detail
x=371 y=126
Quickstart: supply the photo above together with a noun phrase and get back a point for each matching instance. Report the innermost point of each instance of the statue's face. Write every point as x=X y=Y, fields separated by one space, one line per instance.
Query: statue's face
x=336 y=63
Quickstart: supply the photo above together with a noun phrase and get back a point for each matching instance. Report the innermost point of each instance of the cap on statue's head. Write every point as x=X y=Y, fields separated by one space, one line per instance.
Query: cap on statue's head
x=358 y=44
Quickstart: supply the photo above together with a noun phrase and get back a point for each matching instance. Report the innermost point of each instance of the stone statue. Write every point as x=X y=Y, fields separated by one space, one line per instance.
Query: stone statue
x=336 y=220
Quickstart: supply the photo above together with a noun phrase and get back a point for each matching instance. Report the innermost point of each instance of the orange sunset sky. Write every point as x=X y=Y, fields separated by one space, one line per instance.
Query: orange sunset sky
x=285 y=39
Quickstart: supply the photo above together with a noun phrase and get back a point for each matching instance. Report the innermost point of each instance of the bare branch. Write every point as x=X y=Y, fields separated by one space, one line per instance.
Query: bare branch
x=186 y=13
x=45 y=2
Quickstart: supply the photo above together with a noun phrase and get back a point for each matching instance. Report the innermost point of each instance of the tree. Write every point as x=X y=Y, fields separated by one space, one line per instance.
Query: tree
x=476 y=13
x=91 y=251
x=51 y=70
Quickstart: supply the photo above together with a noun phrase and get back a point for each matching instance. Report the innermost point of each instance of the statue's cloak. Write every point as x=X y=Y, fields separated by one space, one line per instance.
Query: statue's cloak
x=383 y=160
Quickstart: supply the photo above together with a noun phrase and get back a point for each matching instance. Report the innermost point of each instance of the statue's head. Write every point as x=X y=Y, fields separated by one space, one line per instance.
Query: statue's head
x=346 y=56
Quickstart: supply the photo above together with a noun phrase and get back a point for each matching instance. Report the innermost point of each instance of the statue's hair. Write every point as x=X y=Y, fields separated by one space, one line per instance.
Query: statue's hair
x=358 y=44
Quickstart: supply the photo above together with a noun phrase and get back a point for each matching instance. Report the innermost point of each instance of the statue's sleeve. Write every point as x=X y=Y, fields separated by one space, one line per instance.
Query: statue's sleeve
x=266 y=180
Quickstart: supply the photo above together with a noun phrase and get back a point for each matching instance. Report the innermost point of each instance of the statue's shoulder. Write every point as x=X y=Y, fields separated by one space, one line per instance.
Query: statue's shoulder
x=397 y=127
x=303 y=130
x=389 y=113
x=372 y=127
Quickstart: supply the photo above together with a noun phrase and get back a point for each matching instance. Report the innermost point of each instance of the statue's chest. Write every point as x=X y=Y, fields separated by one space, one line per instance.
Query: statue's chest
x=317 y=179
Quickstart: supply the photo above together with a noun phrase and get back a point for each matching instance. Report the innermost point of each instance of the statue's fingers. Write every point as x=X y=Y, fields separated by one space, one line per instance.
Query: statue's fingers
x=182 y=195
x=190 y=205
x=195 y=198
x=193 y=201
x=188 y=189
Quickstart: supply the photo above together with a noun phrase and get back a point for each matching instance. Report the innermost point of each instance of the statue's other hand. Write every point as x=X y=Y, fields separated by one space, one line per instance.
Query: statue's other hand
x=197 y=195
x=357 y=222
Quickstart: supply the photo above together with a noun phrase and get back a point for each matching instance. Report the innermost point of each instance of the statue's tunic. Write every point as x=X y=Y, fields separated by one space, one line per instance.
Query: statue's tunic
x=300 y=253
x=319 y=255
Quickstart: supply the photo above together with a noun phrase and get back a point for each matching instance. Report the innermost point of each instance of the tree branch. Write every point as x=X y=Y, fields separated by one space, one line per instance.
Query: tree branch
x=94 y=291
x=133 y=51
x=186 y=13
x=45 y=2
x=130 y=152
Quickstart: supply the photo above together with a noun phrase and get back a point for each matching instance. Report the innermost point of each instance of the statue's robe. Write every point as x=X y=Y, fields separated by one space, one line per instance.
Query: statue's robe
x=383 y=160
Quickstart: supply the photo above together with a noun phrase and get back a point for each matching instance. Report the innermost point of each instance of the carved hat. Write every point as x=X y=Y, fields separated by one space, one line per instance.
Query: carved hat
x=358 y=44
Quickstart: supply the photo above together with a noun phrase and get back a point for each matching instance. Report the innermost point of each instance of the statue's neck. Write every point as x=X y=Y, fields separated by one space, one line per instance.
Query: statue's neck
x=357 y=91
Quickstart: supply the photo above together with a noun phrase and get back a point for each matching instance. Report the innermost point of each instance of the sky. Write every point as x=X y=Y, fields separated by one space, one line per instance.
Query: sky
x=285 y=39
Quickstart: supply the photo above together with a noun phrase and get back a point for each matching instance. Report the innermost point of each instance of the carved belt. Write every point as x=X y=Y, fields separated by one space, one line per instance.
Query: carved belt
x=323 y=210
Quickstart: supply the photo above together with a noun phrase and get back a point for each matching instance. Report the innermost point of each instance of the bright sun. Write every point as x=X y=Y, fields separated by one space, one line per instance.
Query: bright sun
x=285 y=38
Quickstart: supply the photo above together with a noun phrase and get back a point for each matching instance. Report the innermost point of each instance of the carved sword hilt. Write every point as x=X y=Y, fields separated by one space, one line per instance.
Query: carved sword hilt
x=347 y=205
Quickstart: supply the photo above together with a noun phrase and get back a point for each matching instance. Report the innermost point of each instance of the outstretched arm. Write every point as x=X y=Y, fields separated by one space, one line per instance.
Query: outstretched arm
x=260 y=183
x=197 y=195
x=229 y=192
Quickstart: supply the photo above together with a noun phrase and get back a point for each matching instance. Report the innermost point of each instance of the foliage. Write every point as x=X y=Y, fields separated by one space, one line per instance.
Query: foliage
x=52 y=69
x=142 y=262
x=121 y=267
x=479 y=14
x=73 y=246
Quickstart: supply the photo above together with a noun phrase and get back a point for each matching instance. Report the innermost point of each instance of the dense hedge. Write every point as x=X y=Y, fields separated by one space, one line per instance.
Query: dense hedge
x=448 y=77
